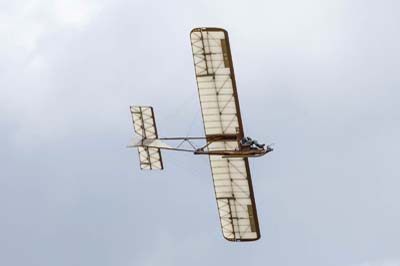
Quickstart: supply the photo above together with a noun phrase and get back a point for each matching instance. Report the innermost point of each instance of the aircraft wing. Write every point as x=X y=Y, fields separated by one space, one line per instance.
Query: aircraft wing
x=223 y=129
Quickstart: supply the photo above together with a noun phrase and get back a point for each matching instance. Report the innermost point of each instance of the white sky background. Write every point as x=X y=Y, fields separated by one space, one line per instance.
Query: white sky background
x=318 y=78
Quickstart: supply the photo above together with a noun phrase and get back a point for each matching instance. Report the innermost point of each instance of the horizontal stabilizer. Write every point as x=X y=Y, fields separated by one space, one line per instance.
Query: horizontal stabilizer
x=144 y=126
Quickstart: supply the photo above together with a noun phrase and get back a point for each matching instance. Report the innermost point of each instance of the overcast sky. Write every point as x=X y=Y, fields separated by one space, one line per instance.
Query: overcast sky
x=318 y=78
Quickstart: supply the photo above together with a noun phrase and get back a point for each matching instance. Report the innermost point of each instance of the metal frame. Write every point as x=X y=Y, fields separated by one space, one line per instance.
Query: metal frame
x=201 y=151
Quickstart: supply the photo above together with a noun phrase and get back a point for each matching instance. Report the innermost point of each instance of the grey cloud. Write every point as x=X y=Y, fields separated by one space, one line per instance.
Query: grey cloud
x=319 y=78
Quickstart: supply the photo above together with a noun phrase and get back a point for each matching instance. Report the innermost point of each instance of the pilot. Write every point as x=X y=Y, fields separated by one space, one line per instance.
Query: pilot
x=253 y=144
x=246 y=142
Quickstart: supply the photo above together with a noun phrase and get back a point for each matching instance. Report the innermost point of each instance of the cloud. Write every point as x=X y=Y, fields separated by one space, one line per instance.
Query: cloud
x=320 y=78
x=28 y=89
x=386 y=262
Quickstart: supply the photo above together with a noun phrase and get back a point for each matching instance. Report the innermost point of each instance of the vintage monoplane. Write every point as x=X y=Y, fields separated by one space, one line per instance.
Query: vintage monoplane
x=224 y=141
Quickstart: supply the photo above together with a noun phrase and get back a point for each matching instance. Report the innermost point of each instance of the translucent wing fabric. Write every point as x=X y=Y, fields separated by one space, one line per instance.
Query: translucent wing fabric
x=144 y=125
x=223 y=128
x=233 y=191
x=215 y=80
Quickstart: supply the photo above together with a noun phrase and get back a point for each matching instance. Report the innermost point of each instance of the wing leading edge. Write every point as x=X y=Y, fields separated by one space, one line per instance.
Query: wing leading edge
x=222 y=120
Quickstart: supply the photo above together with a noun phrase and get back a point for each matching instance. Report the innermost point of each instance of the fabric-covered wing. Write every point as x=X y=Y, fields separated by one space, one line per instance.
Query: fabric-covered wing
x=234 y=194
x=216 y=82
x=144 y=125
x=223 y=128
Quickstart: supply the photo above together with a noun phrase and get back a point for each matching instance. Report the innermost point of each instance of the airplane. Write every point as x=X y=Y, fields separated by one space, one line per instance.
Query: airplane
x=224 y=141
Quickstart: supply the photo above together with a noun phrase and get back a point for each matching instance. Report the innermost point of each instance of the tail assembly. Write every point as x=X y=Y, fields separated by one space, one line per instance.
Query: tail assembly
x=146 y=139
